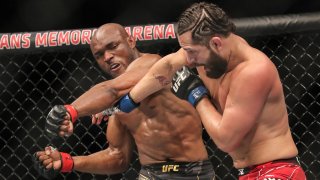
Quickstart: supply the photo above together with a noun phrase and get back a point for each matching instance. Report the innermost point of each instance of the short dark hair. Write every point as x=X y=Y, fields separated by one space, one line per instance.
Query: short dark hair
x=205 y=20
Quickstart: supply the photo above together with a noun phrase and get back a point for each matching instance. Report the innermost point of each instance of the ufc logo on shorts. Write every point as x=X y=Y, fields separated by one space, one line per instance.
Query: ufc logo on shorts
x=168 y=168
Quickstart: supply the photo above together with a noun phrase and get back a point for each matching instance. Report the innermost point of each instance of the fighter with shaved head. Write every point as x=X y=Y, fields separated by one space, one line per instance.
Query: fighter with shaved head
x=167 y=131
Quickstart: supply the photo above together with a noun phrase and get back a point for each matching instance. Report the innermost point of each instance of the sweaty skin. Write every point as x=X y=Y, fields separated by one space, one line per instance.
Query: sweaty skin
x=246 y=115
x=254 y=125
x=163 y=128
x=159 y=76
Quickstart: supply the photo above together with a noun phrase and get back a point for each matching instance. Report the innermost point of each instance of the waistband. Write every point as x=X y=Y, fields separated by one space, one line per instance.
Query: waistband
x=246 y=170
x=172 y=166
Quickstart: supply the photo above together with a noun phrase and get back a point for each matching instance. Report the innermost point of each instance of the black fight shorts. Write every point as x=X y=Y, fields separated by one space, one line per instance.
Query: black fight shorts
x=201 y=170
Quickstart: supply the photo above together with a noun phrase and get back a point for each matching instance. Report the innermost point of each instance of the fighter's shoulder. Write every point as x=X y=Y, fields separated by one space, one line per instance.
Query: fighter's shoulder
x=259 y=71
x=146 y=60
x=151 y=58
x=262 y=66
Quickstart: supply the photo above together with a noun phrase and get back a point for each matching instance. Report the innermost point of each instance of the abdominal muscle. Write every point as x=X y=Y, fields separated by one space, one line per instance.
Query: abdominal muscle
x=168 y=129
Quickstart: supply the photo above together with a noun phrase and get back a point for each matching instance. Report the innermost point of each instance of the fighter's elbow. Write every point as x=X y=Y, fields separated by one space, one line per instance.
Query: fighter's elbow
x=116 y=169
x=119 y=164
x=123 y=166
x=228 y=144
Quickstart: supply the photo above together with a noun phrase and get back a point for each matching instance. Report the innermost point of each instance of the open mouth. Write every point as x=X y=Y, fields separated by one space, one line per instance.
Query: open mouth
x=114 y=66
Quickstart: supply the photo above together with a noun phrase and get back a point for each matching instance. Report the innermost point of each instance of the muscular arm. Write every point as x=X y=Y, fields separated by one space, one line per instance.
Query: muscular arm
x=158 y=76
x=114 y=159
x=244 y=104
x=105 y=94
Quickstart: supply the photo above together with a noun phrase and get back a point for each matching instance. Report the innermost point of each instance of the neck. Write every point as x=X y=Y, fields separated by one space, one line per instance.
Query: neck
x=136 y=53
x=237 y=47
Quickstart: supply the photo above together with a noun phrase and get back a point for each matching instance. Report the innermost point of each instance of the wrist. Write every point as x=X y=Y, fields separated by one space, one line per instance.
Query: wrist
x=72 y=112
x=203 y=102
x=197 y=94
x=126 y=104
x=66 y=162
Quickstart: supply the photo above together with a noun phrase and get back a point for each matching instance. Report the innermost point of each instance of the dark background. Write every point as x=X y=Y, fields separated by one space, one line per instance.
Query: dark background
x=40 y=15
x=31 y=83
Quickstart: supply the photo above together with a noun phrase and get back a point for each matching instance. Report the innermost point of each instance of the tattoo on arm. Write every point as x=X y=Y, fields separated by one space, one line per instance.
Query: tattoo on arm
x=163 y=81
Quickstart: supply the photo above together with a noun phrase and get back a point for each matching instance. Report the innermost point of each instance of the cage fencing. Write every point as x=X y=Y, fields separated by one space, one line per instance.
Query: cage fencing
x=40 y=70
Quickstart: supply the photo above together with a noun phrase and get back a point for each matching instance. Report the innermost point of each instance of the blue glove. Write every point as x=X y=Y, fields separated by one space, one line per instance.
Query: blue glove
x=188 y=86
x=126 y=104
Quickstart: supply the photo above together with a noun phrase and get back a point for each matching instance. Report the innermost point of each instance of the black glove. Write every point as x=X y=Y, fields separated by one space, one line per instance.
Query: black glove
x=66 y=164
x=42 y=170
x=188 y=86
x=55 y=118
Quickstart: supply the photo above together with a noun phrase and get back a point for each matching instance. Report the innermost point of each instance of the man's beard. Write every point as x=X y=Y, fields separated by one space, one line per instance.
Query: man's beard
x=216 y=66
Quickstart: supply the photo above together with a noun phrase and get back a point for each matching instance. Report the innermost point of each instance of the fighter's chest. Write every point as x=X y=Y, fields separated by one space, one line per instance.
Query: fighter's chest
x=145 y=116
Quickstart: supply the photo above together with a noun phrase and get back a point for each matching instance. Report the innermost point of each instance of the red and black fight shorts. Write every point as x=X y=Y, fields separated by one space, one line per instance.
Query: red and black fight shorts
x=283 y=169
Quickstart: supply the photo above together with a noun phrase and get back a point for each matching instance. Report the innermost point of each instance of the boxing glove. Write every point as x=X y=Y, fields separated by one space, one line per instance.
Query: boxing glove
x=56 y=117
x=126 y=104
x=66 y=164
x=188 y=86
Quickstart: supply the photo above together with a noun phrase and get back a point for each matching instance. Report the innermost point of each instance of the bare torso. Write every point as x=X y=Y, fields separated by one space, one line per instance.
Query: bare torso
x=270 y=138
x=165 y=128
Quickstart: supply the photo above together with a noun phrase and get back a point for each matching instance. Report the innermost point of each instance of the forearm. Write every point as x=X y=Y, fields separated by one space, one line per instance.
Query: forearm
x=159 y=76
x=211 y=120
x=102 y=162
x=95 y=100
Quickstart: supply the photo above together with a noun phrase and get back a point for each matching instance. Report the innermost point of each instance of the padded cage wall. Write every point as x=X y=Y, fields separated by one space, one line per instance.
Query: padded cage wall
x=42 y=69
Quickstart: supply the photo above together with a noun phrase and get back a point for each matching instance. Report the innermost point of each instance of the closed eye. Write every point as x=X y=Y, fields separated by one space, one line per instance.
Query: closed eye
x=97 y=55
x=112 y=46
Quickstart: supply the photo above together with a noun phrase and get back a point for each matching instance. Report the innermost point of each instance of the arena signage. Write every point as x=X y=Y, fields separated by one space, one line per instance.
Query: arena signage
x=16 y=41
x=154 y=33
x=45 y=39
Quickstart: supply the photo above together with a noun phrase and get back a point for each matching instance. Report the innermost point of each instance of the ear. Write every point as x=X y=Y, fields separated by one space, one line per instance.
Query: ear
x=215 y=43
x=131 y=41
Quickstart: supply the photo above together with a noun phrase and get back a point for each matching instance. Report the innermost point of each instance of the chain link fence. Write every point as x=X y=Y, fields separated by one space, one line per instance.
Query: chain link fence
x=32 y=83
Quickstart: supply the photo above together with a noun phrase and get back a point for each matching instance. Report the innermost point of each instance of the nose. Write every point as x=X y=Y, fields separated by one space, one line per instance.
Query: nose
x=190 y=59
x=107 y=56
